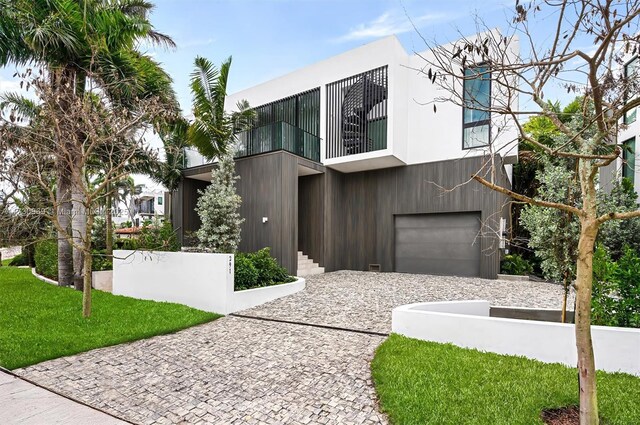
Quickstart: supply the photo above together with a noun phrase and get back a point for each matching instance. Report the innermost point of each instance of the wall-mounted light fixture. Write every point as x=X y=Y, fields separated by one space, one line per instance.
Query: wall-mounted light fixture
x=265 y=219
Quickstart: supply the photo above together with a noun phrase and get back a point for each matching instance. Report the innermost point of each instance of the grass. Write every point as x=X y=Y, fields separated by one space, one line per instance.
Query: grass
x=421 y=382
x=39 y=321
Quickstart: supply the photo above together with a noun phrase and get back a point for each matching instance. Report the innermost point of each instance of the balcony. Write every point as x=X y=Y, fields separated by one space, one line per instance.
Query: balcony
x=272 y=137
x=277 y=136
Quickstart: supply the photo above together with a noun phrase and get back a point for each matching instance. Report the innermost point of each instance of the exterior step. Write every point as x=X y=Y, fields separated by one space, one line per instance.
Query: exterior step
x=306 y=265
x=315 y=270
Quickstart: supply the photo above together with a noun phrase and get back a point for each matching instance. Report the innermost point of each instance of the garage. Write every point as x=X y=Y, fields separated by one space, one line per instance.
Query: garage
x=439 y=244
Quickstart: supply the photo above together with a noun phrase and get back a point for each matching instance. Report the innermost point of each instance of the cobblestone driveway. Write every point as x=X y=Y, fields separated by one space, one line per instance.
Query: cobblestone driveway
x=364 y=300
x=246 y=371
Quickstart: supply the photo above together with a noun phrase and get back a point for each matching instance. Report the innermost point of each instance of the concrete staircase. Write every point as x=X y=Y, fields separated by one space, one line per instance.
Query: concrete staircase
x=306 y=266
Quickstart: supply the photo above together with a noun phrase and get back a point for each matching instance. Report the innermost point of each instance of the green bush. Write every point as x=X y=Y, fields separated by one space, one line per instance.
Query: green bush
x=46 y=258
x=101 y=261
x=129 y=244
x=19 y=260
x=245 y=273
x=515 y=264
x=616 y=289
x=268 y=271
x=158 y=237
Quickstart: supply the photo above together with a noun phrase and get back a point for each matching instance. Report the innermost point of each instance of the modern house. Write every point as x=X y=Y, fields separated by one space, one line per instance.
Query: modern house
x=628 y=137
x=347 y=165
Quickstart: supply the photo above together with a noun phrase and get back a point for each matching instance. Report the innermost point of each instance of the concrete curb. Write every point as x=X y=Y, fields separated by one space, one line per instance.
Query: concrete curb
x=43 y=278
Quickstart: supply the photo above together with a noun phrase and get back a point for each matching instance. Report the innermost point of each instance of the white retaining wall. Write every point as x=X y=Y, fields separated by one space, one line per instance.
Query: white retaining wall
x=467 y=324
x=200 y=280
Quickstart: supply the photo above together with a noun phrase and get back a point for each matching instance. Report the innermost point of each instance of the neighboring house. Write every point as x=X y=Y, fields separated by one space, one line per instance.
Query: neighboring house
x=148 y=205
x=347 y=165
x=628 y=137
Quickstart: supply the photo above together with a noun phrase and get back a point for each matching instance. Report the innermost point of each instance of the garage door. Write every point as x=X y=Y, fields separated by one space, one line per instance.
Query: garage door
x=440 y=244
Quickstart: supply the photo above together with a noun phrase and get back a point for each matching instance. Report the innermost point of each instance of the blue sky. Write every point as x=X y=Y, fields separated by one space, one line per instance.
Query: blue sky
x=268 y=38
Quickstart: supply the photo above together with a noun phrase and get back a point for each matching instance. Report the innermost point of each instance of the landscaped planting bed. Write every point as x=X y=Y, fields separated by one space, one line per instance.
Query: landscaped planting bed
x=40 y=321
x=421 y=382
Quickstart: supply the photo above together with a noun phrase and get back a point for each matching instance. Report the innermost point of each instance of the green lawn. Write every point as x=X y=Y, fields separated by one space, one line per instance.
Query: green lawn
x=39 y=321
x=421 y=382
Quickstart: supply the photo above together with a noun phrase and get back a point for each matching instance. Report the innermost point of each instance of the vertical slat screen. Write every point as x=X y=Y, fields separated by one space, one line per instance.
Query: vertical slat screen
x=357 y=113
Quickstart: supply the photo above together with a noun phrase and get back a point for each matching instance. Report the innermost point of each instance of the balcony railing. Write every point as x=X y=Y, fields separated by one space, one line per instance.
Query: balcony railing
x=276 y=136
x=272 y=137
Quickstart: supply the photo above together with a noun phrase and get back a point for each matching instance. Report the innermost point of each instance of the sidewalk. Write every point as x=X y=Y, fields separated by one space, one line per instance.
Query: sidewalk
x=24 y=403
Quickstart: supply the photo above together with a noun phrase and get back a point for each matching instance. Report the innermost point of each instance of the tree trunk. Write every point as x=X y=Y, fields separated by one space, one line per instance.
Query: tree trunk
x=88 y=263
x=586 y=362
x=79 y=226
x=108 y=222
x=63 y=199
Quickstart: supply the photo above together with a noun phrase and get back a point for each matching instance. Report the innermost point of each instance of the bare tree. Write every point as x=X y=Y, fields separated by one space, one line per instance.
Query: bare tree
x=553 y=61
x=92 y=128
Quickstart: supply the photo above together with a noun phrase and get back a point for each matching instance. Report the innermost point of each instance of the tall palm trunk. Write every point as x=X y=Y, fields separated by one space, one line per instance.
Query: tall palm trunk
x=63 y=199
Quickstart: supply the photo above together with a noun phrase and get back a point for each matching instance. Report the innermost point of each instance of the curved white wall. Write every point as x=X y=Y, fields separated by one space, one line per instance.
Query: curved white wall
x=467 y=324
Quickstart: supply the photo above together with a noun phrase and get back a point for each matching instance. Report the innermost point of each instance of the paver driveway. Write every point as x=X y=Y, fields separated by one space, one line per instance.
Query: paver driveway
x=363 y=300
x=242 y=370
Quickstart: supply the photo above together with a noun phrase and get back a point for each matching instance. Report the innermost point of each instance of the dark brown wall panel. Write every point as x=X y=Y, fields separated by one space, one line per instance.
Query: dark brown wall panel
x=360 y=230
x=311 y=217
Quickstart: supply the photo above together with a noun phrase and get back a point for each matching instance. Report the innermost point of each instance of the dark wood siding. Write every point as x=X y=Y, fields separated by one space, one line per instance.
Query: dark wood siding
x=311 y=216
x=346 y=221
x=359 y=226
x=268 y=186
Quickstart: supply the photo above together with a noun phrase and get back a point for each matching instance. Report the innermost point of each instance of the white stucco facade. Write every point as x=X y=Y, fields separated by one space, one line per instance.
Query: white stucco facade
x=415 y=133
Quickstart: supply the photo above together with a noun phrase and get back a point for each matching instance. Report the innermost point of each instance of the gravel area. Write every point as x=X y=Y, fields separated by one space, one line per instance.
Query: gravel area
x=233 y=370
x=364 y=300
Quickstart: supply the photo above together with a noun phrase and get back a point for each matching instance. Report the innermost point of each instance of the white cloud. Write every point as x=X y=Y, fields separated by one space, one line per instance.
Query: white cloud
x=391 y=23
x=195 y=43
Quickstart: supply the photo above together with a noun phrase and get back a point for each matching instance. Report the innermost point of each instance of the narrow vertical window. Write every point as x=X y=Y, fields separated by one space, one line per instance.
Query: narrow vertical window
x=630 y=71
x=159 y=200
x=476 y=131
x=629 y=159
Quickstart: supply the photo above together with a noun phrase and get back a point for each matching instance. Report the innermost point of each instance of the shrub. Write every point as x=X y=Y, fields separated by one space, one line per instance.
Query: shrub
x=101 y=261
x=158 y=237
x=19 y=260
x=218 y=207
x=246 y=274
x=515 y=264
x=129 y=244
x=616 y=289
x=46 y=258
x=267 y=270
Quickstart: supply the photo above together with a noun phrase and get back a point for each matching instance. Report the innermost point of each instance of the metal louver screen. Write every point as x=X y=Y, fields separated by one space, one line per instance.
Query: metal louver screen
x=357 y=113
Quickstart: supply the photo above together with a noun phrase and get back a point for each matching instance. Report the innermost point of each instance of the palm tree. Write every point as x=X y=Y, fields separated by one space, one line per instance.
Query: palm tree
x=212 y=129
x=75 y=40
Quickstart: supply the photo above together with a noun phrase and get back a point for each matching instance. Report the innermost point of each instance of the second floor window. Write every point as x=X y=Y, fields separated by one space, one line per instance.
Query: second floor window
x=159 y=200
x=476 y=118
x=631 y=70
x=629 y=159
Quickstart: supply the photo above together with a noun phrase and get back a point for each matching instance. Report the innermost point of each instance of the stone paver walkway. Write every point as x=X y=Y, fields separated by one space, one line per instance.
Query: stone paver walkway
x=231 y=371
x=246 y=371
x=364 y=300
x=27 y=404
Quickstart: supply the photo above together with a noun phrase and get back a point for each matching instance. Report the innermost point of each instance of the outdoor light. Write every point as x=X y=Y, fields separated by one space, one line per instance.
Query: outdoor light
x=265 y=219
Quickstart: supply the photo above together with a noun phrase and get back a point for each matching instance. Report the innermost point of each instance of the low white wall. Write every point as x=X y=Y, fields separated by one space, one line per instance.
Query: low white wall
x=242 y=300
x=102 y=280
x=200 y=280
x=467 y=324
